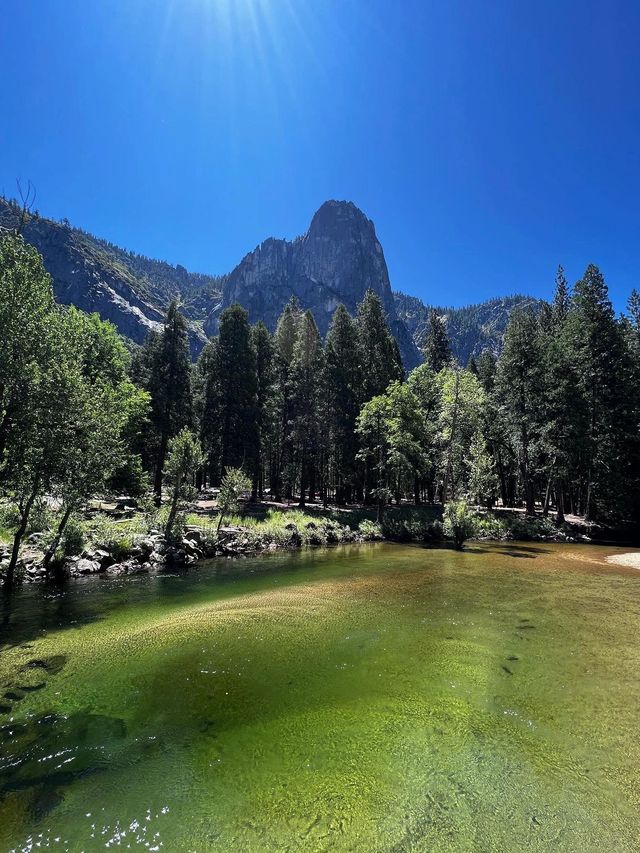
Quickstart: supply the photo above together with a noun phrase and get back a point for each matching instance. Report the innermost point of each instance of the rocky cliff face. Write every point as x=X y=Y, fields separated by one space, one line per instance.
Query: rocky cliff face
x=336 y=261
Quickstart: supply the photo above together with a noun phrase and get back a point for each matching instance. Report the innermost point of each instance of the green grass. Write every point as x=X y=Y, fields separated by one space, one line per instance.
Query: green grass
x=283 y=527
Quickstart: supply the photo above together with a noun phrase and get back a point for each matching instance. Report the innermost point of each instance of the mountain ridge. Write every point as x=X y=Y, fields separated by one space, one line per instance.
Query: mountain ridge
x=335 y=261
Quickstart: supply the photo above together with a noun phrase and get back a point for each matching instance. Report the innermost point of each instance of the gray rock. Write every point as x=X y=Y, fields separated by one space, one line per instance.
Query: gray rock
x=336 y=261
x=86 y=567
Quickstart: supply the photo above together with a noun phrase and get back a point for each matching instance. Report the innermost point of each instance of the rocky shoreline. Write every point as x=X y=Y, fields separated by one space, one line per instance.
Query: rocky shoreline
x=151 y=552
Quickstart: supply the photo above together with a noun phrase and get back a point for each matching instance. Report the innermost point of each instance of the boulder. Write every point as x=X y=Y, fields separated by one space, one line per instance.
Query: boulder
x=86 y=567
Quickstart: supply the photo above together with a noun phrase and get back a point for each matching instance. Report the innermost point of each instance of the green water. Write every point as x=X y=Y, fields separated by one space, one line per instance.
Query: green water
x=375 y=698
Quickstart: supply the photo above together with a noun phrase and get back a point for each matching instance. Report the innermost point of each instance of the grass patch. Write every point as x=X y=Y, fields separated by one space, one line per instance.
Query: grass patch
x=284 y=528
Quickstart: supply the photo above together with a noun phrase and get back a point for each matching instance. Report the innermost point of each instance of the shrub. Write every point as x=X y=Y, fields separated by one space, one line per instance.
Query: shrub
x=41 y=518
x=111 y=536
x=412 y=525
x=9 y=520
x=458 y=522
x=370 y=529
x=73 y=541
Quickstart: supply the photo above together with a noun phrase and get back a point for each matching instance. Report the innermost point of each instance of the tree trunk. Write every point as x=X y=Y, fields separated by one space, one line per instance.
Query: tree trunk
x=303 y=481
x=547 y=499
x=162 y=453
x=19 y=534
x=51 y=550
x=559 y=502
x=172 y=512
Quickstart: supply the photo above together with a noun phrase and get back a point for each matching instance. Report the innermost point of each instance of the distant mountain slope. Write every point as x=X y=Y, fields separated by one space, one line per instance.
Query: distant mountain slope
x=472 y=329
x=337 y=260
x=130 y=290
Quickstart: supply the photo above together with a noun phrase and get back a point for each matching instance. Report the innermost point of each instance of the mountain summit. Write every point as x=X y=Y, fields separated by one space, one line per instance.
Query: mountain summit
x=336 y=261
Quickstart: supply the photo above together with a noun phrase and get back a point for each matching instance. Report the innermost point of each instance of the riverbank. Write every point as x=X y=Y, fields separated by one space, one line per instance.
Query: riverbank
x=121 y=539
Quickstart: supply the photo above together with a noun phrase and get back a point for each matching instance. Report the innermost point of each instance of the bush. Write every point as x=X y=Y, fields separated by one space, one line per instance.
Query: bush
x=370 y=529
x=74 y=539
x=110 y=536
x=458 y=523
x=412 y=525
x=9 y=520
x=41 y=519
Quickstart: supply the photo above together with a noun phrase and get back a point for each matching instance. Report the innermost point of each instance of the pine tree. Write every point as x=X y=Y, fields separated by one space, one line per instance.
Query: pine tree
x=230 y=417
x=561 y=299
x=169 y=384
x=486 y=365
x=437 y=349
x=265 y=414
x=282 y=468
x=343 y=381
x=306 y=369
x=596 y=346
x=379 y=355
x=519 y=383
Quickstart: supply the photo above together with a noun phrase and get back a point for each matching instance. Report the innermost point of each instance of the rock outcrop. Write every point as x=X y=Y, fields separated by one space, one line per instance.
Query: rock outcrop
x=336 y=261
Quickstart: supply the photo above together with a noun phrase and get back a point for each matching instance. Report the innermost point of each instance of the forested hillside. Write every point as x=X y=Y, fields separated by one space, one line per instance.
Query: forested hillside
x=550 y=425
x=130 y=290
x=471 y=329
x=336 y=261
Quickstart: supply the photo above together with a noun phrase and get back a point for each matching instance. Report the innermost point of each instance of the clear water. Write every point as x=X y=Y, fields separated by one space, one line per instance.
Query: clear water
x=374 y=698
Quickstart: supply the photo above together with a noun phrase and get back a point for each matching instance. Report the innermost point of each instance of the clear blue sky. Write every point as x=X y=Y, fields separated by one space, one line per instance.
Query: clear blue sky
x=488 y=141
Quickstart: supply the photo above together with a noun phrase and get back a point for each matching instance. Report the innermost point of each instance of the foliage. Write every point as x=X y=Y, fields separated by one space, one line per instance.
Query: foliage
x=230 y=416
x=74 y=539
x=234 y=484
x=164 y=370
x=458 y=522
x=370 y=529
x=437 y=349
x=183 y=460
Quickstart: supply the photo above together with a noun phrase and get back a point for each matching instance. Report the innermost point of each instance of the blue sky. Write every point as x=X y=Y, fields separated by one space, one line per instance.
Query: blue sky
x=487 y=141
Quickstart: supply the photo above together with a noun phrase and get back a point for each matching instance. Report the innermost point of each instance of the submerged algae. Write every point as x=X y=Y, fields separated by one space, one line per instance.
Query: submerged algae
x=377 y=698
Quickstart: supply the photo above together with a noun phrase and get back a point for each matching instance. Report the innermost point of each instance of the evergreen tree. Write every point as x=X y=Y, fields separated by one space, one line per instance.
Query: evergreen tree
x=519 y=384
x=231 y=404
x=486 y=365
x=282 y=467
x=596 y=346
x=264 y=348
x=169 y=385
x=561 y=299
x=343 y=381
x=306 y=369
x=437 y=349
x=379 y=356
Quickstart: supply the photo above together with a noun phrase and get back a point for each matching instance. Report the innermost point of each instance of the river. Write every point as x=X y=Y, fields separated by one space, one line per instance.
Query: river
x=365 y=698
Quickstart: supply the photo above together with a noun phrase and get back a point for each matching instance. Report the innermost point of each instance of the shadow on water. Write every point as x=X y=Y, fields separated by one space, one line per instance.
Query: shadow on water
x=509 y=550
x=31 y=611
x=44 y=755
